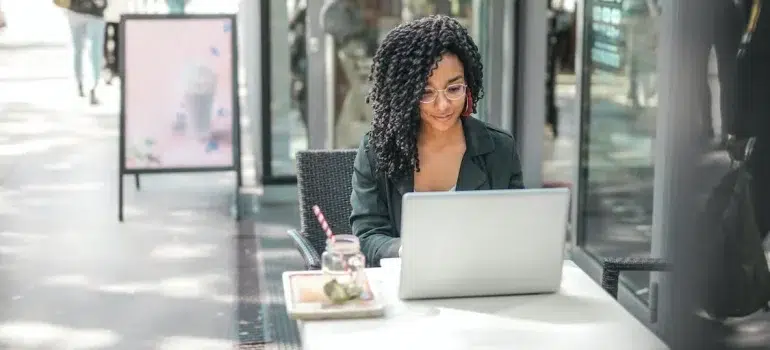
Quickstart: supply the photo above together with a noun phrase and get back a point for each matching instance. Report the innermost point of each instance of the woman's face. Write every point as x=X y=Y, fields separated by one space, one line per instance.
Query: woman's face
x=443 y=100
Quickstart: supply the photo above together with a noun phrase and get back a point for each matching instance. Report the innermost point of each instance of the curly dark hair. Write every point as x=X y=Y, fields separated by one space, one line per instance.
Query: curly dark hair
x=400 y=71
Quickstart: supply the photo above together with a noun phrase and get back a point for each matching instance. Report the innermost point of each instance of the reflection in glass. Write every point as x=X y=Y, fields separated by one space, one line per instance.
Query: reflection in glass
x=288 y=132
x=619 y=138
x=561 y=129
x=357 y=27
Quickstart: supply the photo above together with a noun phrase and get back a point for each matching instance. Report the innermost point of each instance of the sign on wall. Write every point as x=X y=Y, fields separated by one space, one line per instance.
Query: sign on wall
x=608 y=49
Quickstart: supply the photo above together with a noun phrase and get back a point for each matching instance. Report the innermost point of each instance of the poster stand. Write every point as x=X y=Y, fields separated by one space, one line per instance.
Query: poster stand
x=230 y=25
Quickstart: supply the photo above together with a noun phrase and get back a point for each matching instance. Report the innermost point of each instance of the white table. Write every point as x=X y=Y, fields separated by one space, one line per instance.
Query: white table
x=581 y=316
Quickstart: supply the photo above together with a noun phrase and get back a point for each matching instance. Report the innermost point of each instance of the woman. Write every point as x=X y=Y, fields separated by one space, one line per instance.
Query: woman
x=426 y=81
x=86 y=21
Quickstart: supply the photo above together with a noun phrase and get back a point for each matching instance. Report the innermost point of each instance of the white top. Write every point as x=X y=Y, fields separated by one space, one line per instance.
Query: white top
x=580 y=316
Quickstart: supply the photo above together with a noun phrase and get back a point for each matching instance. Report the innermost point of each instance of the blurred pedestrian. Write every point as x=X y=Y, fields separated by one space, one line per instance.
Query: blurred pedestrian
x=3 y=23
x=86 y=21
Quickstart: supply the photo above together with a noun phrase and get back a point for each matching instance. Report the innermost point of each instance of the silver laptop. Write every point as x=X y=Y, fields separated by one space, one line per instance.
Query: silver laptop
x=482 y=243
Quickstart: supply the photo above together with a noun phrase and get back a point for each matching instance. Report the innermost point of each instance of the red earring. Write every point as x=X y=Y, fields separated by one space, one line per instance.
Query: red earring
x=468 y=106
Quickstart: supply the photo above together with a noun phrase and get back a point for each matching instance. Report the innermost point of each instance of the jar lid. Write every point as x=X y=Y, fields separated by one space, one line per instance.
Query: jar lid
x=344 y=244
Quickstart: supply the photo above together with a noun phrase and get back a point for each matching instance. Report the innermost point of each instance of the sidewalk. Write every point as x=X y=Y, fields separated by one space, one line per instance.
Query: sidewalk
x=72 y=276
x=33 y=23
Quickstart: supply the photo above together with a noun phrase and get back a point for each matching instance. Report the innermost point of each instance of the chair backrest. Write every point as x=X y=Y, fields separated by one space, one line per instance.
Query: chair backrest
x=324 y=179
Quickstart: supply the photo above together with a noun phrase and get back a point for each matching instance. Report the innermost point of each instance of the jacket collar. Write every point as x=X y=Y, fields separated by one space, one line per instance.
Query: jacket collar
x=473 y=174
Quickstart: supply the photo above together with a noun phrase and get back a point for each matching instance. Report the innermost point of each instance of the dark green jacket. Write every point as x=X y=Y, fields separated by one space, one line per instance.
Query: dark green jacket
x=490 y=162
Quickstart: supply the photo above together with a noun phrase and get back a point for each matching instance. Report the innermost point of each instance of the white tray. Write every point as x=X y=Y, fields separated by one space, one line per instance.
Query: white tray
x=309 y=284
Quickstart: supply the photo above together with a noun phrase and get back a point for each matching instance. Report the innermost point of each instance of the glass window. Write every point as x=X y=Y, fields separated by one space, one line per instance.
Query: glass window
x=619 y=131
x=363 y=27
x=561 y=128
x=288 y=57
x=368 y=23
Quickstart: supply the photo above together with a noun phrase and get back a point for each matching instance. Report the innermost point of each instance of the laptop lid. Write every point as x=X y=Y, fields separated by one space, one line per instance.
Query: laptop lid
x=482 y=243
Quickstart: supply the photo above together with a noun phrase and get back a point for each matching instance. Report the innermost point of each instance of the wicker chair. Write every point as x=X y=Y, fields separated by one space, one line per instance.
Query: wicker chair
x=323 y=179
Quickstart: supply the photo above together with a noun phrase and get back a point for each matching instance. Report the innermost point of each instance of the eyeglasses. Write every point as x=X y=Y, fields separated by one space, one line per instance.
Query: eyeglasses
x=452 y=92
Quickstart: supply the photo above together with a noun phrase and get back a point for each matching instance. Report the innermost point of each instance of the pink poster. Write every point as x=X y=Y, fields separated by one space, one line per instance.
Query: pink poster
x=178 y=93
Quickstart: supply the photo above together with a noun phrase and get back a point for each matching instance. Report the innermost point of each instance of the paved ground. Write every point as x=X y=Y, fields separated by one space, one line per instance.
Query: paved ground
x=72 y=277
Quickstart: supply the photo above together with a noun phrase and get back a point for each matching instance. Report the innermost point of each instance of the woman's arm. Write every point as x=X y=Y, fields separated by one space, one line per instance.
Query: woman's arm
x=369 y=219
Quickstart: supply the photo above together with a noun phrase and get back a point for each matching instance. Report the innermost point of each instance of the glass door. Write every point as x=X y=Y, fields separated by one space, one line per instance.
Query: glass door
x=620 y=106
x=283 y=88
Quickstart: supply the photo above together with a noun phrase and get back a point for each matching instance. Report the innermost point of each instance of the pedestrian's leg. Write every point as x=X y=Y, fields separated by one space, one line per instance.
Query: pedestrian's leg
x=176 y=6
x=96 y=28
x=3 y=23
x=78 y=31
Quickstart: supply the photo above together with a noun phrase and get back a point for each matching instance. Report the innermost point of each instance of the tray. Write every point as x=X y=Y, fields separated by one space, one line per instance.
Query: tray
x=305 y=300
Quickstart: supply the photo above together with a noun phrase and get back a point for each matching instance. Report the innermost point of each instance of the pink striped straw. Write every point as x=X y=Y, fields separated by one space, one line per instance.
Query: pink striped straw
x=322 y=221
x=329 y=234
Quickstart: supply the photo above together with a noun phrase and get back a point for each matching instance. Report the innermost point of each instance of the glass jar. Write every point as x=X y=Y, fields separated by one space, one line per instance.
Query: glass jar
x=343 y=266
